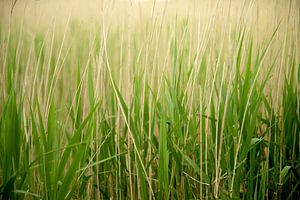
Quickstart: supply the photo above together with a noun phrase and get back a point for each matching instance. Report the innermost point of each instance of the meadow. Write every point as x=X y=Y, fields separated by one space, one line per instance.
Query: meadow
x=149 y=99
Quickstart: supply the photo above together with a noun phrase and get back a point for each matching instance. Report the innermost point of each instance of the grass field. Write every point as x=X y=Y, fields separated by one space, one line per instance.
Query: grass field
x=149 y=100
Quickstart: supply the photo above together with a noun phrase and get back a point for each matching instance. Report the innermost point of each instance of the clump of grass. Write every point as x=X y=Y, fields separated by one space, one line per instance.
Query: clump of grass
x=169 y=109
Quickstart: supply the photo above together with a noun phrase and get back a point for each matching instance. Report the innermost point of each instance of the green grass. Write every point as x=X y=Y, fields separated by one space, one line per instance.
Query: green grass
x=168 y=109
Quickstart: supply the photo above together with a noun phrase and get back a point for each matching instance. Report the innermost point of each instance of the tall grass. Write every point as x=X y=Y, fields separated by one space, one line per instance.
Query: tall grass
x=169 y=106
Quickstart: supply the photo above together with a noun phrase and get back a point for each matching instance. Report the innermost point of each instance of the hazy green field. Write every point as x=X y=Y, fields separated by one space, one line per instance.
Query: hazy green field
x=149 y=100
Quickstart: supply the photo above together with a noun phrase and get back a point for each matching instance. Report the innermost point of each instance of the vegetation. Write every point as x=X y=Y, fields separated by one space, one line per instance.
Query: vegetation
x=153 y=106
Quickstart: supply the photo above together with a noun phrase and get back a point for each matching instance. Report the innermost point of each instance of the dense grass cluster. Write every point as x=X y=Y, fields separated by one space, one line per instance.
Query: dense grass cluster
x=162 y=108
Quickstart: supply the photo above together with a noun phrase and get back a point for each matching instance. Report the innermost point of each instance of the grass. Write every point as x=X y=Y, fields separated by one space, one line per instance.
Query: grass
x=160 y=106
